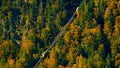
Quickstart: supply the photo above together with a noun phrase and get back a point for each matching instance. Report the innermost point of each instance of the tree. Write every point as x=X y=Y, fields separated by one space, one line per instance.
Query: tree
x=52 y=61
x=11 y=62
x=97 y=61
x=81 y=62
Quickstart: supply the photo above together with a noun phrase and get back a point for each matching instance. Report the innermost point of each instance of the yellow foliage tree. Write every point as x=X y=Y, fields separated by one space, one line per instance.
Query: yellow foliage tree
x=107 y=29
x=81 y=62
x=1 y=54
x=27 y=42
x=97 y=61
x=60 y=66
x=11 y=62
x=116 y=26
x=67 y=37
x=27 y=45
x=52 y=61
x=117 y=60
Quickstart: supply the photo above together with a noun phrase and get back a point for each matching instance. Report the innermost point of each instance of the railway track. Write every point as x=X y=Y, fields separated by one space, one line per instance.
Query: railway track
x=56 y=38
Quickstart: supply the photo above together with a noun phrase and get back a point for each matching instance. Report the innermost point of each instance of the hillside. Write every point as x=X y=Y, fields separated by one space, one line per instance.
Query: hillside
x=27 y=28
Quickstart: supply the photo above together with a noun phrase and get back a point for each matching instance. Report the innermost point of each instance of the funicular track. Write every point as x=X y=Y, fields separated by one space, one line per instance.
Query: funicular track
x=56 y=38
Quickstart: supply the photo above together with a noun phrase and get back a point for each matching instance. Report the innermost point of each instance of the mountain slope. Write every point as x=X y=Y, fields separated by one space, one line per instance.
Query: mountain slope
x=28 y=27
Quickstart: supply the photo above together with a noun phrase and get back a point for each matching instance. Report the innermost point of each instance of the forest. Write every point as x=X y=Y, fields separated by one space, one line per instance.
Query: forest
x=28 y=27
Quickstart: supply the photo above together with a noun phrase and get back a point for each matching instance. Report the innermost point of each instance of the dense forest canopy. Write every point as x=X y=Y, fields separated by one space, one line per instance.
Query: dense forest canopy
x=92 y=40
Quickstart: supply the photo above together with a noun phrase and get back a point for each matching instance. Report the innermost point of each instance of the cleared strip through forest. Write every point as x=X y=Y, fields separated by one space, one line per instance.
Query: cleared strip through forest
x=56 y=38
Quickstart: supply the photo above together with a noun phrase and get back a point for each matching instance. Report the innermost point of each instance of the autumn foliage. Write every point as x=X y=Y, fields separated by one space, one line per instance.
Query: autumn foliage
x=92 y=40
